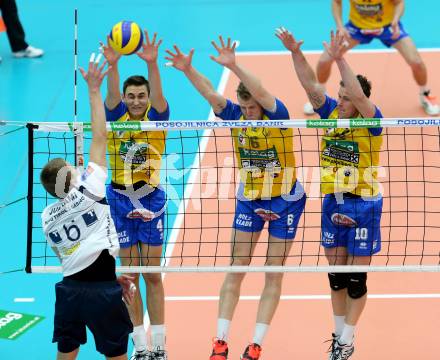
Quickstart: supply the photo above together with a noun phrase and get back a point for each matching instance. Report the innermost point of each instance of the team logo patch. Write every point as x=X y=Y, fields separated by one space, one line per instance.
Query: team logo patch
x=143 y=214
x=344 y=220
x=267 y=215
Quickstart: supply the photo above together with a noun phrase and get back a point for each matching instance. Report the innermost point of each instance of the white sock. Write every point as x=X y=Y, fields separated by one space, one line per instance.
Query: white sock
x=347 y=335
x=260 y=333
x=157 y=337
x=223 y=329
x=139 y=336
x=424 y=89
x=339 y=324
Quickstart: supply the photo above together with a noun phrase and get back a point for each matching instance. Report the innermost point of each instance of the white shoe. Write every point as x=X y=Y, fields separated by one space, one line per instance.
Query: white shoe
x=342 y=352
x=332 y=347
x=308 y=109
x=429 y=104
x=158 y=355
x=29 y=52
x=141 y=355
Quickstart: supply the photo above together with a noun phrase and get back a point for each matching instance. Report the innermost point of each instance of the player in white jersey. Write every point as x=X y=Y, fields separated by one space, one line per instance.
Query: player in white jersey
x=80 y=230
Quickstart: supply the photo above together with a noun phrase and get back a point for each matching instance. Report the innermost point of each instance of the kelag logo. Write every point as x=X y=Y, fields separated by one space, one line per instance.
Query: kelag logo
x=14 y=324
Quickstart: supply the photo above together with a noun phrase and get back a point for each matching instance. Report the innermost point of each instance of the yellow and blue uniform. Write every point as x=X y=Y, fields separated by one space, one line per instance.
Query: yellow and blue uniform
x=269 y=190
x=136 y=199
x=352 y=205
x=371 y=19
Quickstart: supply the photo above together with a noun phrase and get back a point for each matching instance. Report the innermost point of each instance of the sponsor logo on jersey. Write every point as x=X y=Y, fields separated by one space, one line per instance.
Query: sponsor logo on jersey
x=267 y=215
x=343 y=220
x=328 y=238
x=123 y=237
x=244 y=220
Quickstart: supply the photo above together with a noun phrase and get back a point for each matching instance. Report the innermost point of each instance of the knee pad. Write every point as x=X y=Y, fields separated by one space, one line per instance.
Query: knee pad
x=338 y=281
x=357 y=285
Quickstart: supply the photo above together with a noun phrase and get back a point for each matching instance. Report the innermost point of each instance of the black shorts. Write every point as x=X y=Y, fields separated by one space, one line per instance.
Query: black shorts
x=97 y=305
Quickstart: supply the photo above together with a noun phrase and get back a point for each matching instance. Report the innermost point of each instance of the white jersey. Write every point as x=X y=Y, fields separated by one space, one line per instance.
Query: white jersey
x=80 y=225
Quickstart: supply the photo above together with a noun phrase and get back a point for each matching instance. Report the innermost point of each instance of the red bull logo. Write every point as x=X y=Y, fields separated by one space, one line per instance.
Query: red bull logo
x=343 y=220
x=143 y=214
x=267 y=215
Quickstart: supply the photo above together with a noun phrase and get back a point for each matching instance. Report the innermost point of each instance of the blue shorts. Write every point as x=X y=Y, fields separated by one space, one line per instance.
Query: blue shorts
x=354 y=224
x=282 y=214
x=139 y=220
x=96 y=305
x=383 y=34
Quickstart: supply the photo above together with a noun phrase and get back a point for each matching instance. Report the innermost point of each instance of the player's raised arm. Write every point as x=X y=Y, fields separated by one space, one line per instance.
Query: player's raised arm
x=149 y=53
x=226 y=57
x=183 y=62
x=113 y=97
x=93 y=77
x=304 y=71
x=336 y=50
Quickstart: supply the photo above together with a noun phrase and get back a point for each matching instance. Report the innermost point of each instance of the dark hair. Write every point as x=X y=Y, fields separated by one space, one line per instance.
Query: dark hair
x=365 y=85
x=243 y=92
x=48 y=176
x=136 y=80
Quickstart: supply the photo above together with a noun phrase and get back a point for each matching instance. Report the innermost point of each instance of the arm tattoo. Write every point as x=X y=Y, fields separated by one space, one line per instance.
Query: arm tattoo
x=316 y=99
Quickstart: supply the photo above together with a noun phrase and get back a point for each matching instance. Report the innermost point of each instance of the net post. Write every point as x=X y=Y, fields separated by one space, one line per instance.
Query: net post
x=78 y=130
x=79 y=136
x=30 y=196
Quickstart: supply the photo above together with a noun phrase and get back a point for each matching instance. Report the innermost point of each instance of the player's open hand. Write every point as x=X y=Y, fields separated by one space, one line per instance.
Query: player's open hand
x=179 y=60
x=287 y=39
x=337 y=46
x=150 y=48
x=109 y=53
x=128 y=287
x=95 y=73
x=344 y=32
x=226 y=52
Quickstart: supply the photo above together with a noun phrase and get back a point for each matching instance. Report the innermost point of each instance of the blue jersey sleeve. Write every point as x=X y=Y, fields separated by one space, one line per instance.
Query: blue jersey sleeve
x=116 y=113
x=154 y=115
x=326 y=109
x=376 y=131
x=230 y=112
x=281 y=112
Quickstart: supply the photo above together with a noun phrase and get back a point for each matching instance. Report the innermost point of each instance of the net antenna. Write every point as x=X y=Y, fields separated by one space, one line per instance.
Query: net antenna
x=77 y=127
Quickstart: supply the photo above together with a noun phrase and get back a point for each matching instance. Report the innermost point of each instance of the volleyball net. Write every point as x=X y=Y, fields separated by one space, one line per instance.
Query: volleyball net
x=201 y=176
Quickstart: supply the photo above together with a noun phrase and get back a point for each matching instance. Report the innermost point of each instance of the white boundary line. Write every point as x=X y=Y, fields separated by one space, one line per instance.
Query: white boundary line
x=191 y=181
x=188 y=189
x=305 y=297
x=352 y=51
x=24 y=300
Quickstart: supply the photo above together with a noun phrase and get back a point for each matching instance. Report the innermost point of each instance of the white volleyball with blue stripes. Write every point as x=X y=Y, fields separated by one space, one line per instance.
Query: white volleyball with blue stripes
x=126 y=37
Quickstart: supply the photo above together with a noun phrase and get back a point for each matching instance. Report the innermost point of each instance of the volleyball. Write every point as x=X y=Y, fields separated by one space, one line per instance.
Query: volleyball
x=126 y=37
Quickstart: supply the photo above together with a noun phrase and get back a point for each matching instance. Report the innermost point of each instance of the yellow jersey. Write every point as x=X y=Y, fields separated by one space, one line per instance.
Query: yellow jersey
x=265 y=160
x=264 y=156
x=136 y=155
x=349 y=159
x=371 y=14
